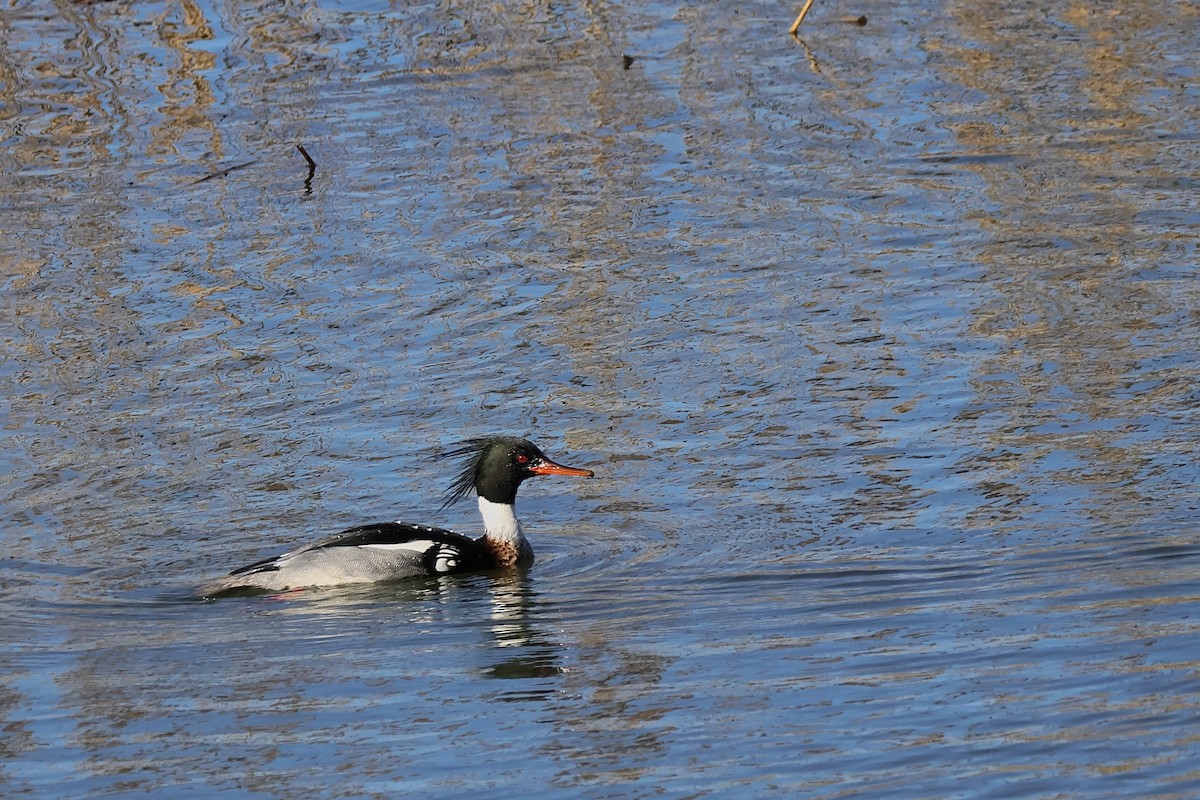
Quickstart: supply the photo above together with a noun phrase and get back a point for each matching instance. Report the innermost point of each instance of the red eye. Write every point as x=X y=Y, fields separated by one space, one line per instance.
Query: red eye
x=522 y=458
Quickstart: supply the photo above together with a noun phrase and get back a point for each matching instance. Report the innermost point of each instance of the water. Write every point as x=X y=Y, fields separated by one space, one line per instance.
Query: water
x=881 y=343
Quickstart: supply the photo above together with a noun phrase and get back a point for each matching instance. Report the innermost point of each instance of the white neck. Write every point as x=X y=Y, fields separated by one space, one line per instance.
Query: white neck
x=500 y=521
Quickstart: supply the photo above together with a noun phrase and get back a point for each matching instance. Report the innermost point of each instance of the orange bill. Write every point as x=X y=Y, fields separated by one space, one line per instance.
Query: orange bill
x=548 y=467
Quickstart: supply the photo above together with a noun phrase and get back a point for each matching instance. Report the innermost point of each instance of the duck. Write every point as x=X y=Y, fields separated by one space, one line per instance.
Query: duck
x=493 y=467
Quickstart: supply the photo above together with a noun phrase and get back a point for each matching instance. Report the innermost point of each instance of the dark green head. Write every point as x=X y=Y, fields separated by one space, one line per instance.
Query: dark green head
x=494 y=467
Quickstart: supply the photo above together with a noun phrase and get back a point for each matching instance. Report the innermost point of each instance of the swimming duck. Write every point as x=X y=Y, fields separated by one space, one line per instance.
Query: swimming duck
x=493 y=467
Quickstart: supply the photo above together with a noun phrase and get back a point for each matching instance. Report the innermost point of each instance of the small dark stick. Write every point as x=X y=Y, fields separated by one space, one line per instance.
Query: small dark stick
x=312 y=165
x=312 y=169
x=800 y=18
x=222 y=173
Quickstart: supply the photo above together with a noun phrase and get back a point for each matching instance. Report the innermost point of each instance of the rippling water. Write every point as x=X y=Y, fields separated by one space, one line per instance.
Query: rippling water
x=882 y=344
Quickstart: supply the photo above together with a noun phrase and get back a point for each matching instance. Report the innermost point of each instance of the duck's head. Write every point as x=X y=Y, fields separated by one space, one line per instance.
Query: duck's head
x=495 y=466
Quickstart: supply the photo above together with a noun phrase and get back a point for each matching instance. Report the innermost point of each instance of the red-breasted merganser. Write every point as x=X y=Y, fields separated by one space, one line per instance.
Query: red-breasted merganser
x=494 y=469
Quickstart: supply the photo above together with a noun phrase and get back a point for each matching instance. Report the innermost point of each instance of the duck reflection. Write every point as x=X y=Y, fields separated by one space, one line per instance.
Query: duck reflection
x=529 y=651
x=504 y=603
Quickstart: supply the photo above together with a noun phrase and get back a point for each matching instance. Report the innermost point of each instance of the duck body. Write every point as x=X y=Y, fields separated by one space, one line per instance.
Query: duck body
x=389 y=551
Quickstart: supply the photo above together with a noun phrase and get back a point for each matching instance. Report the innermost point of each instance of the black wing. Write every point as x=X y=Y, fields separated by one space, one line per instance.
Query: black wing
x=384 y=533
x=266 y=565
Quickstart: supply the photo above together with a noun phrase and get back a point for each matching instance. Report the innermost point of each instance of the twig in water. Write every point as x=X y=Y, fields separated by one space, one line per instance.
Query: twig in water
x=222 y=173
x=800 y=18
x=312 y=168
x=312 y=165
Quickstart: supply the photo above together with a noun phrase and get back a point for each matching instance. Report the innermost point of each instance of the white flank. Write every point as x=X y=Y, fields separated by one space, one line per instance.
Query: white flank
x=417 y=546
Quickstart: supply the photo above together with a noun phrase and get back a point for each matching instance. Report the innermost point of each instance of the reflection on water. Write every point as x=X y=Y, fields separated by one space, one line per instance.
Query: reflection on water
x=882 y=348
